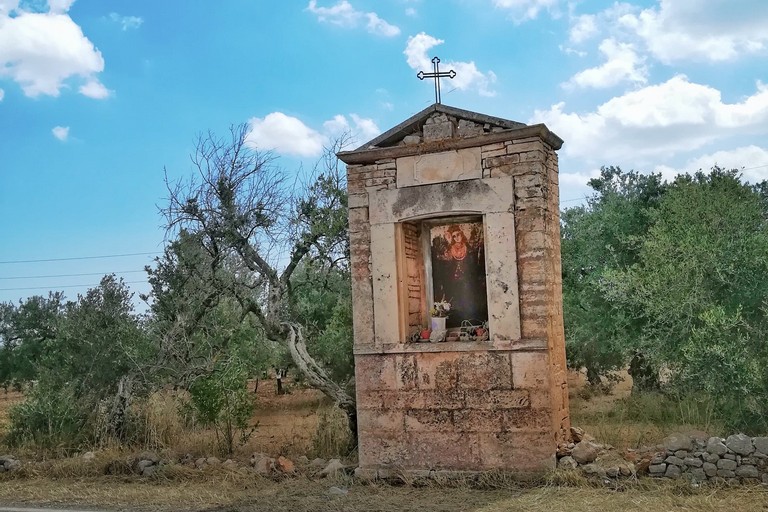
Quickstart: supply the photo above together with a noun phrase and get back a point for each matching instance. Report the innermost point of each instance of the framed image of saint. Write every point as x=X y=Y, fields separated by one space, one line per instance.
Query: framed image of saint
x=458 y=270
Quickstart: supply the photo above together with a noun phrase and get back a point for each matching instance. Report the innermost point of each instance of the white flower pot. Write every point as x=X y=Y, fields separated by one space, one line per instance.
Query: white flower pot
x=438 y=323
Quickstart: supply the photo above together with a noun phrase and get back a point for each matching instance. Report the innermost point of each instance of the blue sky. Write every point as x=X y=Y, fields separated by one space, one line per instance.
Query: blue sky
x=97 y=97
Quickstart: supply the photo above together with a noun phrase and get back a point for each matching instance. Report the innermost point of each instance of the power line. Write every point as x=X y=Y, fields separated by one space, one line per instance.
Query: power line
x=81 y=258
x=755 y=167
x=66 y=286
x=75 y=275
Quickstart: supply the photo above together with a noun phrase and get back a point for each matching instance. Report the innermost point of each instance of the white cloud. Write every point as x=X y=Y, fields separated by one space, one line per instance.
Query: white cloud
x=707 y=30
x=410 y=11
x=41 y=51
x=583 y=28
x=290 y=136
x=571 y=180
x=360 y=130
x=752 y=160
x=416 y=50
x=61 y=132
x=6 y=6
x=380 y=27
x=366 y=128
x=661 y=120
x=344 y=15
x=622 y=63
x=2 y=94
x=126 y=22
x=59 y=6
x=285 y=134
x=522 y=10
x=467 y=74
x=94 y=89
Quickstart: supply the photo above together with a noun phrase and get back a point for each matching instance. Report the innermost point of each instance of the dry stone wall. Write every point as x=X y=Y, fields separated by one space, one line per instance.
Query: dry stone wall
x=737 y=459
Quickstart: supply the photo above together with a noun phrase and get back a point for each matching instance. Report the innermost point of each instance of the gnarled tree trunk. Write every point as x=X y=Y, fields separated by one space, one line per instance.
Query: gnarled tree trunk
x=317 y=377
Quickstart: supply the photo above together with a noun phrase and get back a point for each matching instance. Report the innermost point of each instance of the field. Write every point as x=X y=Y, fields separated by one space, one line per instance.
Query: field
x=287 y=424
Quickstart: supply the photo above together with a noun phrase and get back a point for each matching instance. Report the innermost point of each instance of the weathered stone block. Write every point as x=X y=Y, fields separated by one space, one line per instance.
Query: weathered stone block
x=533 y=418
x=530 y=370
x=429 y=420
x=430 y=168
x=478 y=420
x=469 y=129
x=524 y=451
x=438 y=131
x=498 y=398
x=375 y=420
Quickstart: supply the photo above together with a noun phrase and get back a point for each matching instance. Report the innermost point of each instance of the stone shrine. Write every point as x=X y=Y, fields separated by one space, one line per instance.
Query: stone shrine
x=457 y=295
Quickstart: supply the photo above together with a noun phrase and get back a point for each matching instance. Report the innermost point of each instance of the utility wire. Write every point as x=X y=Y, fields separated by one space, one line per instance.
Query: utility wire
x=81 y=258
x=76 y=275
x=65 y=286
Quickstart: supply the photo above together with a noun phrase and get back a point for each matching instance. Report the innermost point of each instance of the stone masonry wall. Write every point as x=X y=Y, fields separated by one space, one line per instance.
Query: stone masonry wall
x=463 y=405
x=533 y=166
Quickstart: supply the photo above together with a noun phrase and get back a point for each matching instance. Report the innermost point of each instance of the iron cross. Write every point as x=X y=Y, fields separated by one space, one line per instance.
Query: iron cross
x=437 y=75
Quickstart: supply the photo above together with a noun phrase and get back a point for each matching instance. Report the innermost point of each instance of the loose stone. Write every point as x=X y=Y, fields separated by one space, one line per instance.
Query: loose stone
x=585 y=452
x=674 y=460
x=761 y=444
x=740 y=443
x=657 y=469
x=709 y=469
x=593 y=469
x=712 y=458
x=567 y=462
x=693 y=462
x=747 y=471
x=672 y=472
x=715 y=445
x=727 y=464
x=678 y=442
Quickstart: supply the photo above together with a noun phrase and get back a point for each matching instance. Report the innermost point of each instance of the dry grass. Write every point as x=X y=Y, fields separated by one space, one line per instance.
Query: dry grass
x=605 y=415
x=227 y=492
x=7 y=400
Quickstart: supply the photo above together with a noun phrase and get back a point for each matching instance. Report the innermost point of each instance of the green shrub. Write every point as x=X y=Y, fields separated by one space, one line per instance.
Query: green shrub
x=49 y=418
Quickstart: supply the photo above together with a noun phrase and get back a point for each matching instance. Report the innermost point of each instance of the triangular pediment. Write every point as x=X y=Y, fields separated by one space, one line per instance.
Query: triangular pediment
x=440 y=122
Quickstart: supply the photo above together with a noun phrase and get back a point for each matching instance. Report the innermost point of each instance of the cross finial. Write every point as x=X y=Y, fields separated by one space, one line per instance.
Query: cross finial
x=436 y=74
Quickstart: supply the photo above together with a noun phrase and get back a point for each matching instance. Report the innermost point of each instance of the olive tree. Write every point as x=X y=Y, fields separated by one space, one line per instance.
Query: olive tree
x=266 y=224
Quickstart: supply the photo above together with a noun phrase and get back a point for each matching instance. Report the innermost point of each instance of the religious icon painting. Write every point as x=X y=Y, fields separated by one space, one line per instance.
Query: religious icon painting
x=458 y=271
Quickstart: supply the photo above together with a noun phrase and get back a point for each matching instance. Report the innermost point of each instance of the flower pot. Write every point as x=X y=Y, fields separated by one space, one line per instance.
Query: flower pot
x=438 y=323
